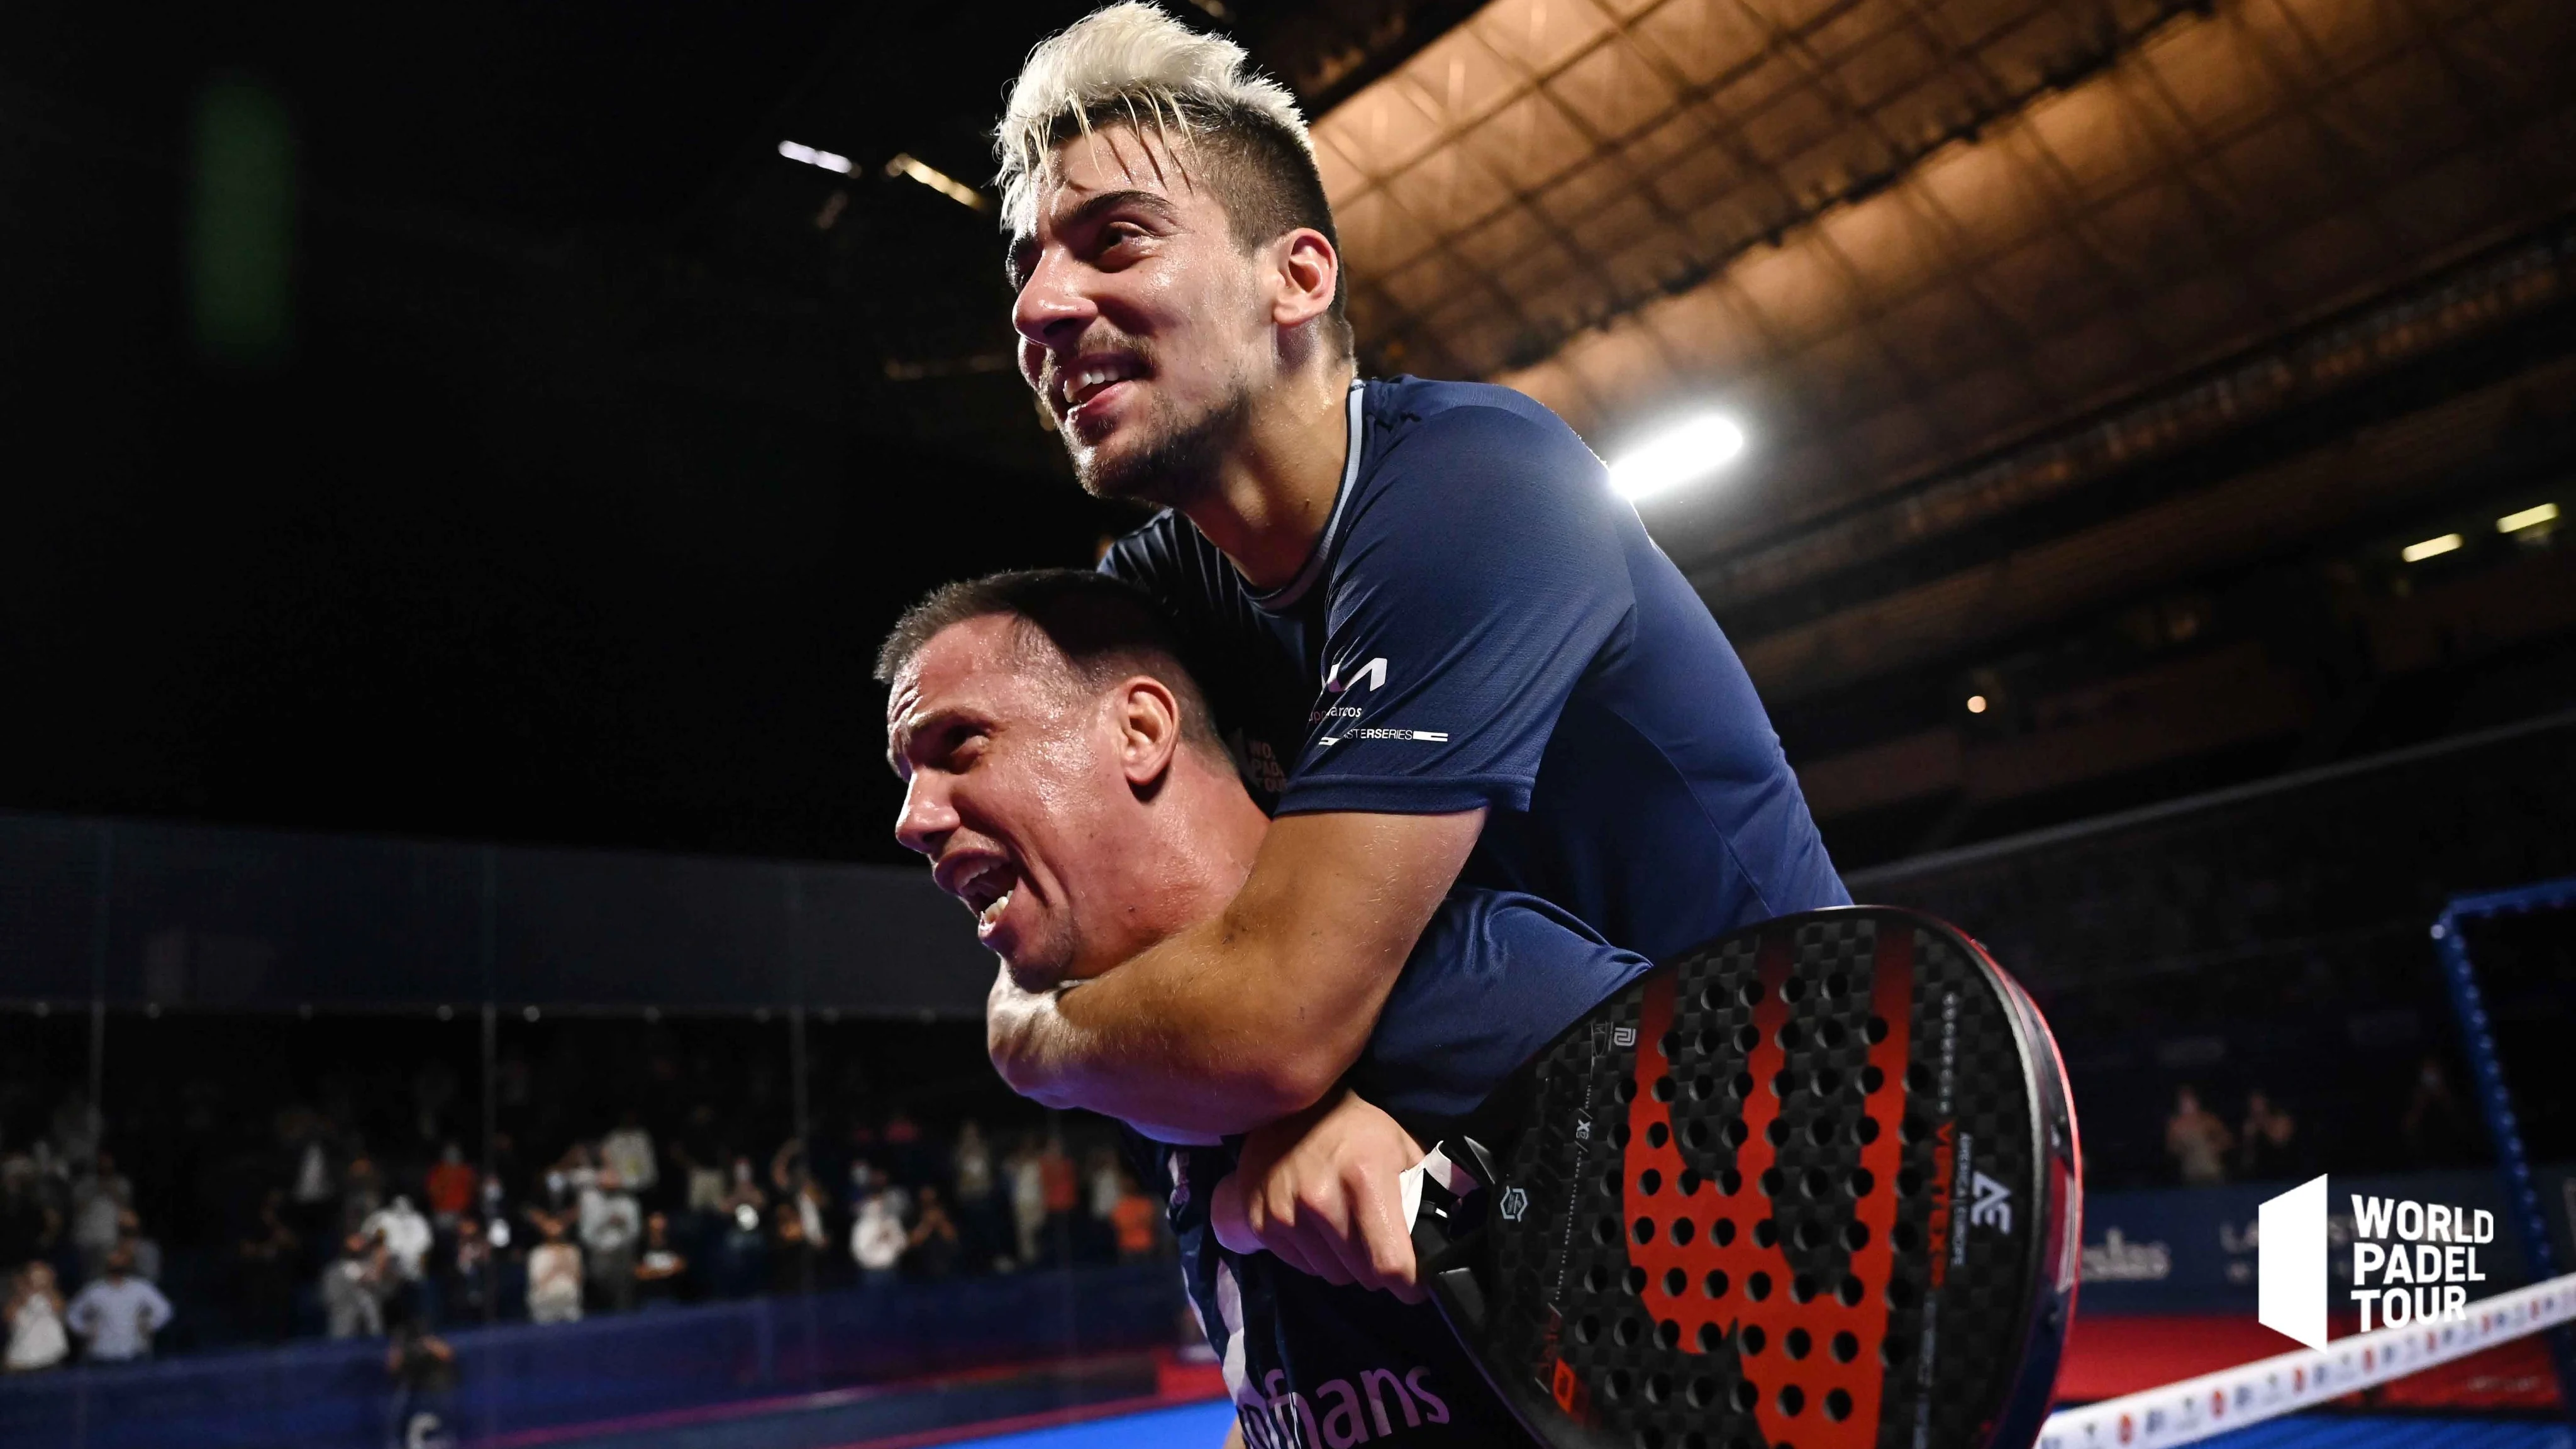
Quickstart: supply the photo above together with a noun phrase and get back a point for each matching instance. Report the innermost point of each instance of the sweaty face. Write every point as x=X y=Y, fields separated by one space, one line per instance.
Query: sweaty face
x=1014 y=793
x=1142 y=325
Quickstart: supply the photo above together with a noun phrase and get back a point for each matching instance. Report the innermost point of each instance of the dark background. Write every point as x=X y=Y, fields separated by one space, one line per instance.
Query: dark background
x=572 y=505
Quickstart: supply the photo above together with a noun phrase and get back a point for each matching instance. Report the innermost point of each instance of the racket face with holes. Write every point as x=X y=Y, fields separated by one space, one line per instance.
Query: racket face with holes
x=1810 y=1186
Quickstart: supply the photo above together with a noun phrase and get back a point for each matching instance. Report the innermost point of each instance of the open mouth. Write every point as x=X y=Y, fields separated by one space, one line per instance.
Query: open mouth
x=987 y=890
x=1086 y=382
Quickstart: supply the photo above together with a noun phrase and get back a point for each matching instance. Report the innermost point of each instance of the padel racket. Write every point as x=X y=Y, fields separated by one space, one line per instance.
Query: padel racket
x=1813 y=1185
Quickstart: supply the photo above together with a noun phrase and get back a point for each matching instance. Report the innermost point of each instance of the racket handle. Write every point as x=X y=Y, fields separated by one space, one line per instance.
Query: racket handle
x=1438 y=1167
x=1446 y=1196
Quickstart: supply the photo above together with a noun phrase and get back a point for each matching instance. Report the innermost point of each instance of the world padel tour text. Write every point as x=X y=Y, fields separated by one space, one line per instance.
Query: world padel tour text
x=2423 y=1256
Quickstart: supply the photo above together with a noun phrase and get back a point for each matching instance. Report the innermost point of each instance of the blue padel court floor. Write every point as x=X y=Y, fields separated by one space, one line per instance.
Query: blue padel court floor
x=1199 y=1426
x=1203 y=1426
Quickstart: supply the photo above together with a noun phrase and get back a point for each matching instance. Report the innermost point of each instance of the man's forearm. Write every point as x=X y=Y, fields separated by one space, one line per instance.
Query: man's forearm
x=1163 y=1041
x=1256 y=1012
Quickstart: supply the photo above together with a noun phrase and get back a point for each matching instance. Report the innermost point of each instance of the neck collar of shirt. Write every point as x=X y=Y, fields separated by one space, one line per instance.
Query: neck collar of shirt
x=1287 y=595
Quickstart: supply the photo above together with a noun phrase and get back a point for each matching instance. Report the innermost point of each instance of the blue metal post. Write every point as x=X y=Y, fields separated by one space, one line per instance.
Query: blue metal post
x=2477 y=1037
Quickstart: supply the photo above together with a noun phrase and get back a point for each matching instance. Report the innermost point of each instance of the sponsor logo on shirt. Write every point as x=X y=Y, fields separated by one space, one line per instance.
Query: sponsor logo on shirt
x=1436 y=737
x=1372 y=674
x=1381 y=1404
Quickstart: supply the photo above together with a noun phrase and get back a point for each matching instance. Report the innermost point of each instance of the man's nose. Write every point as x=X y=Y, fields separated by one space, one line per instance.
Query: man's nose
x=927 y=814
x=1053 y=306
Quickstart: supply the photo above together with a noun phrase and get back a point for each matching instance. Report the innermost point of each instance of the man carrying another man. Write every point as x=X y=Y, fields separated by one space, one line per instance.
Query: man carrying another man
x=1440 y=648
x=1446 y=659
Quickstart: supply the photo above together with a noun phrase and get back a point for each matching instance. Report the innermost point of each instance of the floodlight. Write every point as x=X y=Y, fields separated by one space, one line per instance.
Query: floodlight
x=811 y=157
x=1690 y=451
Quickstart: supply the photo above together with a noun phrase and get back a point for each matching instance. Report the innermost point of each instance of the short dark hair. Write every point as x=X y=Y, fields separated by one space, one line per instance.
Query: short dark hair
x=1100 y=628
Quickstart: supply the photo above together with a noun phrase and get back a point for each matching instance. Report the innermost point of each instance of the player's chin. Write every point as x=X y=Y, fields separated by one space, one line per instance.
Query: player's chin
x=1121 y=467
x=1032 y=970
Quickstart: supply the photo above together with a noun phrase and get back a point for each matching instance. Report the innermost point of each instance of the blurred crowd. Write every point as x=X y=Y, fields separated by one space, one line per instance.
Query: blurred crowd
x=82 y=1273
x=331 y=1239
x=2435 y=1129
x=255 y=1179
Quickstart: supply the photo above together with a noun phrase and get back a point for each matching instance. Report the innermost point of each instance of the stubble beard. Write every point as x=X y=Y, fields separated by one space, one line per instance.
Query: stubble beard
x=1178 y=464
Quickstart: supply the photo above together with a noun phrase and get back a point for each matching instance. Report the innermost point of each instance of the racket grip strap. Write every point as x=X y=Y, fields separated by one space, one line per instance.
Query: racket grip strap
x=1437 y=1167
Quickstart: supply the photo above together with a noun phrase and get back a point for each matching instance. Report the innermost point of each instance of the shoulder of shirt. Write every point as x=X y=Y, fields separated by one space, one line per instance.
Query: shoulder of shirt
x=1475 y=405
x=1476 y=414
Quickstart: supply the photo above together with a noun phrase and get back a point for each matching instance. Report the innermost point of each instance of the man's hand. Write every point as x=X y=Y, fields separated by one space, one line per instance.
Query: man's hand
x=1319 y=1190
x=1255 y=1014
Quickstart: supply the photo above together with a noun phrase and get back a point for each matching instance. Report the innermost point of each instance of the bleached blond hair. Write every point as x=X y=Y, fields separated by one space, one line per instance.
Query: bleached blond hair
x=1134 y=63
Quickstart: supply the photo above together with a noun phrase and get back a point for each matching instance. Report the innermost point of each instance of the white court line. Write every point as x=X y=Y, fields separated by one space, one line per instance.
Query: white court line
x=2193 y=1409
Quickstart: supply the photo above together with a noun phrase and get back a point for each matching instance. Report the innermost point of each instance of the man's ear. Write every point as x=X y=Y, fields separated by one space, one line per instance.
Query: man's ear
x=1149 y=729
x=1304 y=273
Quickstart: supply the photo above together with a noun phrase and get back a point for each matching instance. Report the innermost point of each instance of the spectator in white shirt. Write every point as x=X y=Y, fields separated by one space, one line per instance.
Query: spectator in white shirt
x=610 y=1223
x=1028 y=1199
x=355 y=1286
x=34 y=1321
x=554 y=1277
x=877 y=1239
x=117 y=1315
x=405 y=1233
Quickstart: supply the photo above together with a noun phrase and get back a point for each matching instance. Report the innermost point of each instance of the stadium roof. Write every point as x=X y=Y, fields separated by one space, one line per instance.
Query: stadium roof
x=1898 y=236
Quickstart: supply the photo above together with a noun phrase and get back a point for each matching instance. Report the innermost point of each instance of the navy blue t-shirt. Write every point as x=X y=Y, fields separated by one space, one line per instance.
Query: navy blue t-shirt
x=1484 y=623
x=1493 y=978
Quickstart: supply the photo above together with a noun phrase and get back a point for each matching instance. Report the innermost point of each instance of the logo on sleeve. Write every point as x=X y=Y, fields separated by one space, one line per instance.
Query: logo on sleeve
x=1372 y=674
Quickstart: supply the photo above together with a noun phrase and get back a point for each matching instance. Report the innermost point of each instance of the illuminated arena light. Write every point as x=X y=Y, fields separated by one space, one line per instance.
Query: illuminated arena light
x=939 y=181
x=2431 y=548
x=2527 y=518
x=829 y=161
x=1689 y=452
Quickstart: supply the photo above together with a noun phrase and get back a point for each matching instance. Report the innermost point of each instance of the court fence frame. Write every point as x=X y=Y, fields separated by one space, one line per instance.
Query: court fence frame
x=2495 y=1099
